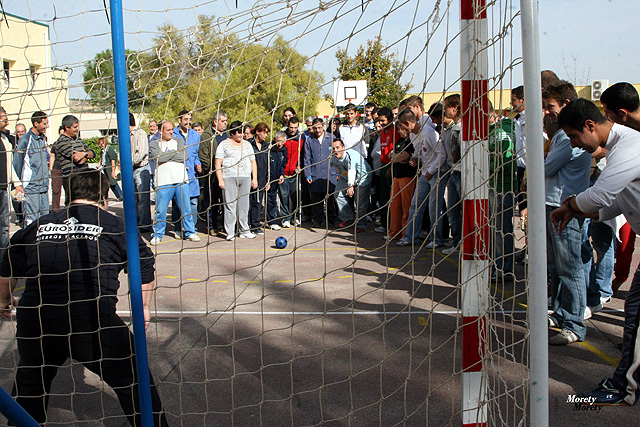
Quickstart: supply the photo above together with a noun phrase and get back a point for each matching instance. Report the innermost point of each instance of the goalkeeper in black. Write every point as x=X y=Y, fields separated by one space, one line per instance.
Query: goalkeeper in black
x=71 y=261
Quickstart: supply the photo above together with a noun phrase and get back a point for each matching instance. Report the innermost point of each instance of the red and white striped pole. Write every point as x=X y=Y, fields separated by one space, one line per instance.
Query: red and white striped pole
x=475 y=209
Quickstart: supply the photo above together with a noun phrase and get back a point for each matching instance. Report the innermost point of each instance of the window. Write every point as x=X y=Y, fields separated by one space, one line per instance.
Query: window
x=33 y=74
x=6 y=66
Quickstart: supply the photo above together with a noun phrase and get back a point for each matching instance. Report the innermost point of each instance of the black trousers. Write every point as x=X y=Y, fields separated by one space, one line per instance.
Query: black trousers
x=318 y=207
x=212 y=202
x=104 y=345
x=626 y=378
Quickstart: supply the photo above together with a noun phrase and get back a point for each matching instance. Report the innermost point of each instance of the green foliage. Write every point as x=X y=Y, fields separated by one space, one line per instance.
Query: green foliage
x=93 y=144
x=373 y=62
x=99 y=83
x=205 y=70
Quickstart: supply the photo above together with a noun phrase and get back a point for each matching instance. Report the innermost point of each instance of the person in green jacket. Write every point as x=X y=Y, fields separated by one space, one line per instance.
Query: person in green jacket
x=502 y=190
x=109 y=161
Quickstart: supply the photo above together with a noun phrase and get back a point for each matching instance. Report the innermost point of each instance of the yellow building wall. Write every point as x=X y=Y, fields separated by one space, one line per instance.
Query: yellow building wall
x=33 y=84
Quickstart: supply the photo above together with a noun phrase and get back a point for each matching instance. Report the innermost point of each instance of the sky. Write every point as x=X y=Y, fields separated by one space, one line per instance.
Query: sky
x=581 y=40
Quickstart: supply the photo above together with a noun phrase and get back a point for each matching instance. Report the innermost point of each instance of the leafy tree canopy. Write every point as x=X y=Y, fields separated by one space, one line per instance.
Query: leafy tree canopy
x=205 y=70
x=382 y=70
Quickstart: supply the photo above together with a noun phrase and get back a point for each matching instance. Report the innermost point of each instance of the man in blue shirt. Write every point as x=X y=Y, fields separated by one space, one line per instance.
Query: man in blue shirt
x=567 y=172
x=354 y=178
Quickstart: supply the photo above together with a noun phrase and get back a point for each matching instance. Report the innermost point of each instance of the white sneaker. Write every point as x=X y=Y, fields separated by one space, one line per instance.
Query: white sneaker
x=178 y=235
x=431 y=245
x=193 y=237
x=286 y=224
x=380 y=229
x=450 y=250
x=230 y=238
x=247 y=235
x=588 y=313
x=274 y=227
x=403 y=242
x=387 y=238
x=154 y=240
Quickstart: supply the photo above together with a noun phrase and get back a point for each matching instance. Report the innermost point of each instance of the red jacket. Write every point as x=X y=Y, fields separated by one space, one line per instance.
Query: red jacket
x=388 y=138
x=294 y=150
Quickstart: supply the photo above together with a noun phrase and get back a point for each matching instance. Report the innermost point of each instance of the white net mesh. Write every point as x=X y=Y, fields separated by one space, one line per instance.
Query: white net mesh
x=341 y=326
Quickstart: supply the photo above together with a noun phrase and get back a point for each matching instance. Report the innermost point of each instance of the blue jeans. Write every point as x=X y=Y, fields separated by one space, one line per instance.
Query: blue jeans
x=568 y=284
x=502 y=209
x=142 y=183
x=289 y=203
x=600 y=272
x=175 y=213
x=361 y=193
x=163 y=197
x=427 y=193
x=454 y=204
x=4 y=221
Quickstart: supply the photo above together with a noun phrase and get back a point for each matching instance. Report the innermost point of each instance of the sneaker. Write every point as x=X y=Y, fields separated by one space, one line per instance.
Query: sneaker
x=249 y=235
x=552 y=322
x=563 y=338
x=193 y=237
x=298 y=222
x=155 y=240
x=286 y=224
x=344 y=224
x=230 y=238
x=258 y=231
x=605 y=395
x=387 y=238
x=403 y=242
x=361 y=229
x=213 y=232
x=423 y=234
x=380 y=229
x=274 y=227
x=450 y=250
x=432 y=245
x=588 y=312
x=178 y=235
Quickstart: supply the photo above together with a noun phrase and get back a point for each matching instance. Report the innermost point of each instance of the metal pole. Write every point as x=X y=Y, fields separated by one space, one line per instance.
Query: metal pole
x=131 y=229
x=14 y=412
x=537 y=241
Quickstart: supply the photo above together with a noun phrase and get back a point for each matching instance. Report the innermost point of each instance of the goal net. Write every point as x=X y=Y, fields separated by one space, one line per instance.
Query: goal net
x=336 y=324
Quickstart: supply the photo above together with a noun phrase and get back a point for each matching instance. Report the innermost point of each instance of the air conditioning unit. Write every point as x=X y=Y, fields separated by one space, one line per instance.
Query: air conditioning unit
x=597 y=87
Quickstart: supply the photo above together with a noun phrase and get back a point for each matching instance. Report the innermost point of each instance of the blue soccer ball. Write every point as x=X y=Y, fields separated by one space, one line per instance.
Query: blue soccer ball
x=281 y=242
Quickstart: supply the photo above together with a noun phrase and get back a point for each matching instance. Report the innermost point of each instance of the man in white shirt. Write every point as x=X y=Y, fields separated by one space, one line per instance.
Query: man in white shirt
x=8 y=176
x=354 y=135
x=616 y=191
x=171 y=180
x=429 y=187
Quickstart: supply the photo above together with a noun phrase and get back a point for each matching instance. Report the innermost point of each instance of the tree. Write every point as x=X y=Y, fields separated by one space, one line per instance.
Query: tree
x=382 y=70
x=205 y=70
x=98 y=78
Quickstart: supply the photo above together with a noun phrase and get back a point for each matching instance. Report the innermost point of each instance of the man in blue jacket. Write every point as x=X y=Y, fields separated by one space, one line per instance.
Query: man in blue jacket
x=319 y=174
x=31 y=163
x=191 y=140
x=354 y=179
x=277 y=163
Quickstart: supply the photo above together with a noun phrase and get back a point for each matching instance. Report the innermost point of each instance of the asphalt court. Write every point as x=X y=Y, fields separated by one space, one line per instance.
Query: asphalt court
x=334 y=329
